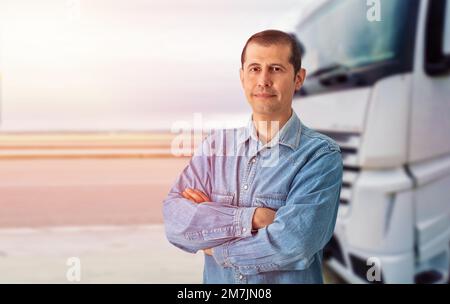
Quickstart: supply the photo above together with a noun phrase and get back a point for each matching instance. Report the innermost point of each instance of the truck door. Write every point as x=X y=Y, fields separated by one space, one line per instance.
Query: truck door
x=429 y=139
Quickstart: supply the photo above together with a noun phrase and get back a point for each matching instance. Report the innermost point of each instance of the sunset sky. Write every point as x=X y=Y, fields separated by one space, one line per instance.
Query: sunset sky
x=110 y=64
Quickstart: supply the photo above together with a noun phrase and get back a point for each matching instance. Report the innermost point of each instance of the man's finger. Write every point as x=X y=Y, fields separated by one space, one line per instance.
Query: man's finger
x=194 y=195
x=187 y=196
x=208 y=251
x=202 y=194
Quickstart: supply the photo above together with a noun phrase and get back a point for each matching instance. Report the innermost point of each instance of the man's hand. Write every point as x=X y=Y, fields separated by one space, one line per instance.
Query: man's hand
x=208 y=251
x=195 y=195
x=262 y=218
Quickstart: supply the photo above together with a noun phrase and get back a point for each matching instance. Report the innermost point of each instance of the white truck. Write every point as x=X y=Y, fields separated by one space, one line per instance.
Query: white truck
x=381 y=89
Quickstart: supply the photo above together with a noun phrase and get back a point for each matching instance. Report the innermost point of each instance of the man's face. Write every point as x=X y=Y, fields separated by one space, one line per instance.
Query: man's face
x=268 y=80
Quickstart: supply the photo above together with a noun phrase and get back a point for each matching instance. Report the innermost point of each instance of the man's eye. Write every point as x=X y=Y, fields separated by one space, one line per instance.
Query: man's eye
x=276 y=69
x=253 y=69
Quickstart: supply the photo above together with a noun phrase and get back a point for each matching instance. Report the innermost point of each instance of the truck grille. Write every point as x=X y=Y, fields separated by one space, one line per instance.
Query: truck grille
x=349 y=144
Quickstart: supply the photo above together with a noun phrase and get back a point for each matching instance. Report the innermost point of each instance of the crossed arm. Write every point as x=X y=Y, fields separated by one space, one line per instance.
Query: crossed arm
x=286 y=240
x=261 y=218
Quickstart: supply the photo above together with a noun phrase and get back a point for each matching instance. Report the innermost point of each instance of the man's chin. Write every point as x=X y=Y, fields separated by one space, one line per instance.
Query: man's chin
x=265 y=110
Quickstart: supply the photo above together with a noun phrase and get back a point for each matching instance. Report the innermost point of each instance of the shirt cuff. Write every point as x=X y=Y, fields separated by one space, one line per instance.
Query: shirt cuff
x=243 y=221
x=220 y=255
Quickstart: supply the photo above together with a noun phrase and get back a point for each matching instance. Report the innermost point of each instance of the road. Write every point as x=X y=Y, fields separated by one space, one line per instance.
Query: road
x=91 y=191
x=107 y=212
x=106 y=254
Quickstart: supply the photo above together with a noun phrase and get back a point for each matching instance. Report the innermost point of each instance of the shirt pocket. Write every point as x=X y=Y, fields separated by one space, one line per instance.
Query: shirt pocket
x=222 y=197
x=271 y=200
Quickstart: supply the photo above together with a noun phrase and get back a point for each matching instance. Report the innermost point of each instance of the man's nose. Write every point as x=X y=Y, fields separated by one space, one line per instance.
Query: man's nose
x=264 y=79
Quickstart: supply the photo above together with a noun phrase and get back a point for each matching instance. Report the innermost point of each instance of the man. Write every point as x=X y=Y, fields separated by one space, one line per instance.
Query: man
x=260 y=218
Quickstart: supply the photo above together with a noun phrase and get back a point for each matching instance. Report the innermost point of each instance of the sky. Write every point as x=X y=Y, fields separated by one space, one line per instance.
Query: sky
x=134 y=65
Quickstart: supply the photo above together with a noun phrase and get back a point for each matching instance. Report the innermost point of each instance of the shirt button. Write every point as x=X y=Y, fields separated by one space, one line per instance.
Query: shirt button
x=254 y=160
x=245 y=187
x=241 y=277
x=244 y=229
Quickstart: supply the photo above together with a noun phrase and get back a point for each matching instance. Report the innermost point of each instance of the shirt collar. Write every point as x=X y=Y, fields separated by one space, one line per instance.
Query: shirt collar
x=289 y=135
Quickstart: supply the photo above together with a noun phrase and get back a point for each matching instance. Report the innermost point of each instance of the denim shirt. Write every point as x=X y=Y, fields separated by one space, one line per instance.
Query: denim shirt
x=298 y=174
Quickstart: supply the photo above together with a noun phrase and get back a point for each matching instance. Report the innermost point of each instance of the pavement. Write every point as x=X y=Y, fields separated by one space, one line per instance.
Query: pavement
x=105 y=211
x=107 y=254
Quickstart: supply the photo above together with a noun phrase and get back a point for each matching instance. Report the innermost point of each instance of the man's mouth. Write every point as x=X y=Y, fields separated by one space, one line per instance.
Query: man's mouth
x=264 y=95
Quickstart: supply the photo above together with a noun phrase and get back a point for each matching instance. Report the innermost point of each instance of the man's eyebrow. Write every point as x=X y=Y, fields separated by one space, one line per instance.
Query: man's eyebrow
x=253 y=64
x=278 y=64
x=272 y=64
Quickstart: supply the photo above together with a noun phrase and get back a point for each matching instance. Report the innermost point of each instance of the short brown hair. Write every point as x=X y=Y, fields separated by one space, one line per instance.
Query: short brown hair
x=269 y=37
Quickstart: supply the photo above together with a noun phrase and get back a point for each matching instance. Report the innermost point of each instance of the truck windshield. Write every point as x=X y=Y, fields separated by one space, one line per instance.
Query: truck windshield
x=340 y=34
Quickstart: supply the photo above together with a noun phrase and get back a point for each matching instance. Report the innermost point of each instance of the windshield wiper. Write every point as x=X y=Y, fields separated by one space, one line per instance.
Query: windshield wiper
x=328 y=68
x=337 y=74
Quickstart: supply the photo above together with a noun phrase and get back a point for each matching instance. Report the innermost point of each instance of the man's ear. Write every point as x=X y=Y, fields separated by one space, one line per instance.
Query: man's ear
x=241 y=76
x=300 y=78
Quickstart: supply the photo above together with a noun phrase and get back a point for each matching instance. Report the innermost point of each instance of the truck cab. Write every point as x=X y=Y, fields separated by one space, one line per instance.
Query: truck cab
x=381 y=90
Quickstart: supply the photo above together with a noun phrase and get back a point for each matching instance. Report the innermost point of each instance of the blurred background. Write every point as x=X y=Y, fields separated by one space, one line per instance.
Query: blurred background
x=91 y=93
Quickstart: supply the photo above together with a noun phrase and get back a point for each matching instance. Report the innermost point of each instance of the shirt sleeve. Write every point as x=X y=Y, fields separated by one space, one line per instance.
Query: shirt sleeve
x=300 y=229
x=191 y=226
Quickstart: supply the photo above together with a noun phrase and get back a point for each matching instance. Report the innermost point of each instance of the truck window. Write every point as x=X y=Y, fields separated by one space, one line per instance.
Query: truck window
x=447 y=29
x=437 y=43
x=340 y=35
